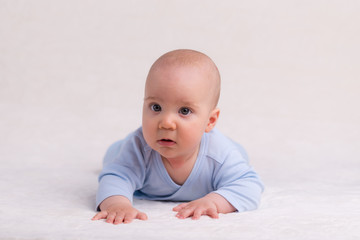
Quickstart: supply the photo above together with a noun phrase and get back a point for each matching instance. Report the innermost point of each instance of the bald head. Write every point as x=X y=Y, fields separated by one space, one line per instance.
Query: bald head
x=192 y=58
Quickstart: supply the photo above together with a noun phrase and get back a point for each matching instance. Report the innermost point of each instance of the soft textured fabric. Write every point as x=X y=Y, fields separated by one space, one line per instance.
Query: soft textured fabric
x=132 y=168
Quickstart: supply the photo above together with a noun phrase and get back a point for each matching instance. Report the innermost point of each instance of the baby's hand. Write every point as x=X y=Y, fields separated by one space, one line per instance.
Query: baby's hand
x=118 y=209
x=196 y=208
x=211 y=205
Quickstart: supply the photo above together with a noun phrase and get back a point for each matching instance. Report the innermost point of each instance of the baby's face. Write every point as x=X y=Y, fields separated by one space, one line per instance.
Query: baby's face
x=178 y=109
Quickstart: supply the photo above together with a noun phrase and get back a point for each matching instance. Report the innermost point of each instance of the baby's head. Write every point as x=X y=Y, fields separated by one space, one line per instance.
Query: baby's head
x=181 y=94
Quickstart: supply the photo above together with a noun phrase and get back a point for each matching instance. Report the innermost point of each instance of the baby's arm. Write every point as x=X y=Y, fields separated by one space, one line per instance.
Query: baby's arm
x=211 y=205
x=118 y=209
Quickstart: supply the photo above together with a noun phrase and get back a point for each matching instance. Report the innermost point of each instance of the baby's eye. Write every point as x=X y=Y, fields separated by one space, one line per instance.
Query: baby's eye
x=184 y=111
x=155 y=107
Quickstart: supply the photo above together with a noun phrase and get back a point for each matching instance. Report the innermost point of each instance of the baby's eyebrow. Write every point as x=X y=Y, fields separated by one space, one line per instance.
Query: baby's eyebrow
x=188 y=104
x=151 y=98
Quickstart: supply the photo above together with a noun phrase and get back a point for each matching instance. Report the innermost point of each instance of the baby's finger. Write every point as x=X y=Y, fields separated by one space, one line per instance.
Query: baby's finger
x=111 y=217
x=212 y=213
x=136 y=215
x=119 y=218
x=100 y=215
x=128 y=218
x=185 y=212
x=141 y=216
x=197 y=213
x=179 y=207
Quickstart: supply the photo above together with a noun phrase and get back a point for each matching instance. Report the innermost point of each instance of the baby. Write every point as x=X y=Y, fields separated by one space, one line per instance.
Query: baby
x=177 y=154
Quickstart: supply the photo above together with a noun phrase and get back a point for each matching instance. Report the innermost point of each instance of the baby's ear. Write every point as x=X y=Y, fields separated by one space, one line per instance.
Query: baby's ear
x=213 y=117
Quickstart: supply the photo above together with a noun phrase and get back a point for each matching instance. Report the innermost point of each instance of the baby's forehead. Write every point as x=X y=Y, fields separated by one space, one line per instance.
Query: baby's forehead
x=178 y=73
x=187 y=65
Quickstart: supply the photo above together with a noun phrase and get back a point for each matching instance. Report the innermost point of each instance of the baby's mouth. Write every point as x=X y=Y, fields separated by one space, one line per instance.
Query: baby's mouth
x=166 y=142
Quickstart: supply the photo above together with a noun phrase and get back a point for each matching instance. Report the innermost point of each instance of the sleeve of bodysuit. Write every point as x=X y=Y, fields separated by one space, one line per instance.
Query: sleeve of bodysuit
x=123 y=170
x=237 y=182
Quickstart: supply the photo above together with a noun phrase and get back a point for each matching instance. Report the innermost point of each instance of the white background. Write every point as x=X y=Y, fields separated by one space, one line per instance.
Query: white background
x=71 y=83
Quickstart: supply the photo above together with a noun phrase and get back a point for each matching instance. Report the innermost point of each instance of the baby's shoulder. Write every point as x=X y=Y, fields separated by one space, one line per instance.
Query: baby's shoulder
x=221 y=147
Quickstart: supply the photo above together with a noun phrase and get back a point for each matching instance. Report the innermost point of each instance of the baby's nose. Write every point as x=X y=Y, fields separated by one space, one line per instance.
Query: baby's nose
x=167 y=122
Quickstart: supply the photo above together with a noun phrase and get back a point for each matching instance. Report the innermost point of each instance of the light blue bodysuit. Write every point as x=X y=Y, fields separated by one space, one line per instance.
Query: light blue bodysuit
x=132 y=168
